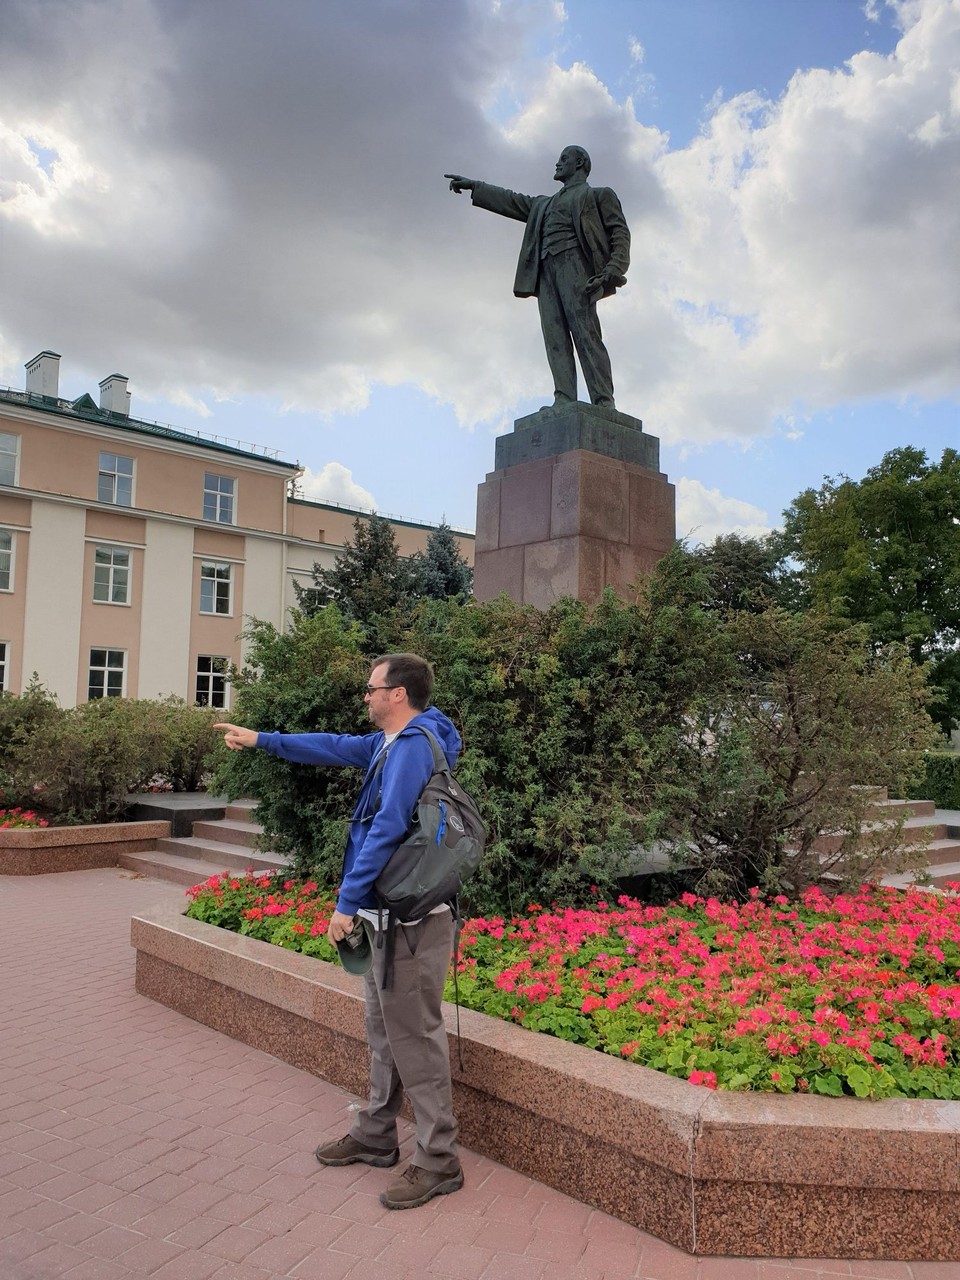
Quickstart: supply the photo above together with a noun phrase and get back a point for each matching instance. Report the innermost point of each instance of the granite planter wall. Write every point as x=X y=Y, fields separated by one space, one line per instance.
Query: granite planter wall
x=716 y=1173
x=38 y=851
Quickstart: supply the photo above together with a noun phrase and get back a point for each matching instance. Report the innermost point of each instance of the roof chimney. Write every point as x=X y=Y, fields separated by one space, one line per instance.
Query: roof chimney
x=114 y=396
x=43 y=375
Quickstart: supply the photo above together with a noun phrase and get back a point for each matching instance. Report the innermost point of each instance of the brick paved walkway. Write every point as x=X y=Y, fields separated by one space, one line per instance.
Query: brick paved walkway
x=134 y=1142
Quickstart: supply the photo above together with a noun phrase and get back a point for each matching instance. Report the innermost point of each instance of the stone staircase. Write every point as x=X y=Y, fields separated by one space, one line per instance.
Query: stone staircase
x=224 y=844
x=941 y=830
x=922 y=826
x=227 y=844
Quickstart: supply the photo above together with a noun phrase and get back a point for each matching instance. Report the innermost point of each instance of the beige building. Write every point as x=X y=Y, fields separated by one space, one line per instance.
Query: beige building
x=132 y=553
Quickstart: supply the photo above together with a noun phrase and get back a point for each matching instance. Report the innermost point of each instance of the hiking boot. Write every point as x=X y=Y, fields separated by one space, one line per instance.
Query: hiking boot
x=416 y=1186
x=349 y=1151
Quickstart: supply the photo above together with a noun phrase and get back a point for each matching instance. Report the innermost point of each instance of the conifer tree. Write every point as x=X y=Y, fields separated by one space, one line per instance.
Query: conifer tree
x=441 y=572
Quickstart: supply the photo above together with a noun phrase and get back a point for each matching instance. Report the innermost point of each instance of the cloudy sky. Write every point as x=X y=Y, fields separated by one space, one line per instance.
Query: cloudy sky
x=240 y=206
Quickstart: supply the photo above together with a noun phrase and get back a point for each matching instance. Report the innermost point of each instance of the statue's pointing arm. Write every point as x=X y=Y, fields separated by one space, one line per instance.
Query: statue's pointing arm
x=511 y=204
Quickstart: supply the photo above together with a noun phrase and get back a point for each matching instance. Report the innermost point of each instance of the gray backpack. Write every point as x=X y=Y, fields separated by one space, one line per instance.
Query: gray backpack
x=441 y=850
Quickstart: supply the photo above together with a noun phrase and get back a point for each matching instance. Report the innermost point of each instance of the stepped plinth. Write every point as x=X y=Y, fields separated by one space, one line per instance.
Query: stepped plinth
x=577 y=502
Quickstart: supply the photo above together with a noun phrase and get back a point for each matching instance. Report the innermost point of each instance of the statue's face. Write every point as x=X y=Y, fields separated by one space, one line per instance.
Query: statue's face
x=566 y=165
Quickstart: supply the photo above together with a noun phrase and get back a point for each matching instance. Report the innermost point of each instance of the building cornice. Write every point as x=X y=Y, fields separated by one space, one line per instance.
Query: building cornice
x=27 y=408
x=165 y=517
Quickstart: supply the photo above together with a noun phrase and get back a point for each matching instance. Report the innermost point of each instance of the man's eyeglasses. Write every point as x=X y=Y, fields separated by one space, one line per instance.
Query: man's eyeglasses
x=372 y=688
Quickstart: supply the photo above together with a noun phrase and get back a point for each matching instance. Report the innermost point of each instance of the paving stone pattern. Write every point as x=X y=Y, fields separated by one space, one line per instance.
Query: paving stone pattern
x=134 y=1142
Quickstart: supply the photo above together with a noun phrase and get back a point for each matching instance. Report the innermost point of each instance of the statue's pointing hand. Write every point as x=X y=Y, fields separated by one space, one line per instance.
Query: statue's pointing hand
x=458 y=183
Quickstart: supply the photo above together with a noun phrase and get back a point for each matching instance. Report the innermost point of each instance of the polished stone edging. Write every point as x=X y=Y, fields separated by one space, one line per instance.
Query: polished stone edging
x=36 y=851
x=716 y=1173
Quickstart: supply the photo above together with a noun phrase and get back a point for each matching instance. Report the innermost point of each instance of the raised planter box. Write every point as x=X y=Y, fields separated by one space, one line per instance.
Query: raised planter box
x=39 y=851
x=755 y=1175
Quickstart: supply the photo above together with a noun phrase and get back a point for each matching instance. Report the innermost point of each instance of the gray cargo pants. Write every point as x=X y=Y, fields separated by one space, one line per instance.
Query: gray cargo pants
x=408 y=1046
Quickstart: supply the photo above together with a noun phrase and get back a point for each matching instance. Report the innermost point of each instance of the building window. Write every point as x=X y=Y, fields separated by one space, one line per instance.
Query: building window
x=215 y=588
x=218 y=494
x=111 y=575
x=9 y=448
x=3 y=665
x=6 y=560
x=115 y=481
x=212 y=681
x=108 y=670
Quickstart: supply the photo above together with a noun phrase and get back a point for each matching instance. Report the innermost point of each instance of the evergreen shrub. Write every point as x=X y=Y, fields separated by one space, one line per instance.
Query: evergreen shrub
x=79 y=764
x=941 y=780
x=728 y=741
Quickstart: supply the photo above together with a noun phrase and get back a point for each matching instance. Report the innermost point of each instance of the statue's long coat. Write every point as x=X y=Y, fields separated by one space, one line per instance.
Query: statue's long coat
x=597 y=218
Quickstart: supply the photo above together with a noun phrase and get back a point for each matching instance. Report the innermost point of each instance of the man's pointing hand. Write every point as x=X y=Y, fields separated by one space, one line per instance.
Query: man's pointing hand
x=236 y=737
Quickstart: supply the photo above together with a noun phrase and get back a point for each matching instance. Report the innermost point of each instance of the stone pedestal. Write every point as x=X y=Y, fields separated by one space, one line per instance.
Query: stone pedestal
x=577 y=502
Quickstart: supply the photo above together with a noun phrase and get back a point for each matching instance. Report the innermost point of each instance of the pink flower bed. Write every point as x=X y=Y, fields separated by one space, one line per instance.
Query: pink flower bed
x=20 y=820
x=856 y=994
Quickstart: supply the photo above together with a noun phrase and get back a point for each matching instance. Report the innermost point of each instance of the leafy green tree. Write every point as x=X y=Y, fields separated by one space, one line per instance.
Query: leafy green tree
x=776 y=780
x=885 y=551
x=740 y=572
x=369 y=577
x=441 y=572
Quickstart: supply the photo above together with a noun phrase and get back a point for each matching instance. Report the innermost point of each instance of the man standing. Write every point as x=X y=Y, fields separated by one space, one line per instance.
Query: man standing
x=404 y=1023
x=576 y=250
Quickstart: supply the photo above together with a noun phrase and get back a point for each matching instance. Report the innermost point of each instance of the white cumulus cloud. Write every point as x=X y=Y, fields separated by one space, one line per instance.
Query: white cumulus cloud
x=335 y=483
x=703 y=514
x=240 y=199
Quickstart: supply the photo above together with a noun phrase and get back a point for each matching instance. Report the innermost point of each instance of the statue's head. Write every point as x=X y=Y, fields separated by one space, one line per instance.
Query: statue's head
x=571 y=160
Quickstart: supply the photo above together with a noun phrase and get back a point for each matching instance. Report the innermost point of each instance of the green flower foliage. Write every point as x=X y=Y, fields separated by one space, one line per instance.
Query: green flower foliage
x=844 y=995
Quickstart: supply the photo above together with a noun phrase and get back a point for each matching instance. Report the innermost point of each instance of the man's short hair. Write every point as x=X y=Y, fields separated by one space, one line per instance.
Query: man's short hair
x=582 y=152
x=414 y=673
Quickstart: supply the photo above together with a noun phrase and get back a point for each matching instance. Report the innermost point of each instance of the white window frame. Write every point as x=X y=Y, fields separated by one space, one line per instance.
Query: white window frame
x=106 y=670
x=216 y=578
x=205 y=698
x=10 y=453
x=115 y=475
x=113 y=574
x=4 y=663
x=222 y=499
x=10 y=555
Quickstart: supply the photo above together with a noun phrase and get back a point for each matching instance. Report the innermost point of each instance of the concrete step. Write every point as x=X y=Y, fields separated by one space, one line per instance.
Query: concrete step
x=242 y=810
x=939 y=875
x=917 y=830
x=890 y=808
x=939 y=852
x=222 y=854
x=177 y=868
x=228 y=830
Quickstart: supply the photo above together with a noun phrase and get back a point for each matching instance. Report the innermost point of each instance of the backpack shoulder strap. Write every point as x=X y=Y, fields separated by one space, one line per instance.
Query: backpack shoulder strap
x=439 y=759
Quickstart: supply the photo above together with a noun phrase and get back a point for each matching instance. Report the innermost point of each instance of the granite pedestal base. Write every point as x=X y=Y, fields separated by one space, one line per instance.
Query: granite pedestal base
x=577 y=503
x=715 y=1173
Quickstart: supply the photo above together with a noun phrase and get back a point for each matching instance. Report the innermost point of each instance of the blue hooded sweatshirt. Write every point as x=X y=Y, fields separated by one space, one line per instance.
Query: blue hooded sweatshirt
x=375 y=833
